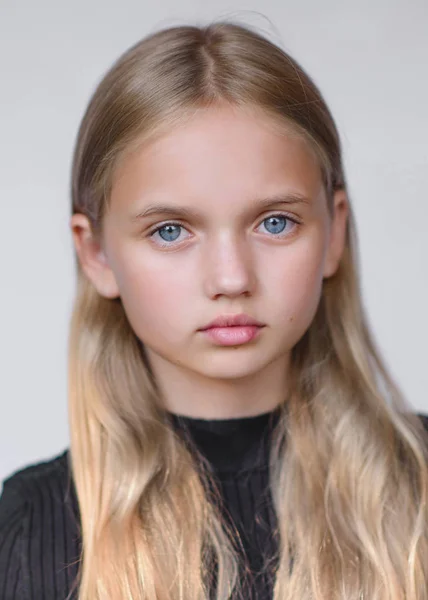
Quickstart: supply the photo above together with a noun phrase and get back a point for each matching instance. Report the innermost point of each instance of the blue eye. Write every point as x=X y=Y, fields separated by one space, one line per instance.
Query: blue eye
x=275 y=223
x=169 y=232
x=166 y=234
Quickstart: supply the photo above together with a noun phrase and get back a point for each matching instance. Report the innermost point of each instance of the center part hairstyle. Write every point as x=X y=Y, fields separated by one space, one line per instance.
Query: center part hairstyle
x=348 y=457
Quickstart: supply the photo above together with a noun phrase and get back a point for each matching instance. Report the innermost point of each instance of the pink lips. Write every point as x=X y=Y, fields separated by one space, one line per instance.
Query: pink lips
x=233 y=321
x=231 y=330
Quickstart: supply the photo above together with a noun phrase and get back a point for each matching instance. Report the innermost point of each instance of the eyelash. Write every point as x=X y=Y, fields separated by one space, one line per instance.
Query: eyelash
x=176 y=223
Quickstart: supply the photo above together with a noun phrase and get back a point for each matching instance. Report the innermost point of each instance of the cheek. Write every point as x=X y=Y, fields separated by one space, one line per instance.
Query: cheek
x=155 y=297
x=295 y=285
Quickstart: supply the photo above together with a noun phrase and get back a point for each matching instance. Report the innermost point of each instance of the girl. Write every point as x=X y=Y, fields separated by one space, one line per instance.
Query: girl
x=234 y=431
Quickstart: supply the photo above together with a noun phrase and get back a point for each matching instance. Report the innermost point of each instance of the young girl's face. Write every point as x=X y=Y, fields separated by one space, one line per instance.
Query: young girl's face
x=204 y=222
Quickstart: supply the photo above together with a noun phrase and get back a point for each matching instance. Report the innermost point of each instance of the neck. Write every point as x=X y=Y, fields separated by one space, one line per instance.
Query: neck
x=191 y=394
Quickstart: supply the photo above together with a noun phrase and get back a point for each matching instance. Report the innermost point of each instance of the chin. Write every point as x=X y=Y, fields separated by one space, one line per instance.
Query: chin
x=230 y=366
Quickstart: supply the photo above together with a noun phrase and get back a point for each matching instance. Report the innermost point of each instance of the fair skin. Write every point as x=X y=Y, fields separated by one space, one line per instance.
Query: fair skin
x=232 y=258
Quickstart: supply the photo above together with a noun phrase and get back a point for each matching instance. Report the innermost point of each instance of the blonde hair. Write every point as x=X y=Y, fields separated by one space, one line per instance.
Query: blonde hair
x=349 y=486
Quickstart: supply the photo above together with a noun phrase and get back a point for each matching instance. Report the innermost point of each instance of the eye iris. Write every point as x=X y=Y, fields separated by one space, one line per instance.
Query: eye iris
x=277 y=224
x=173 y=230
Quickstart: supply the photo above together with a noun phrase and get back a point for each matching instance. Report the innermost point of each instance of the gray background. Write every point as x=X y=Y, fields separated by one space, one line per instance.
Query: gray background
x=370 y=60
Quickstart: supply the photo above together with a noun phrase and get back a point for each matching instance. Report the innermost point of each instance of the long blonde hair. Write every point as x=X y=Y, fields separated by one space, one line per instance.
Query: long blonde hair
x=349 y=486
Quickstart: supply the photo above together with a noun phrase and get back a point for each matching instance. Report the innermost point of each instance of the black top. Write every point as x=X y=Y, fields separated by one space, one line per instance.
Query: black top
x=39 y=517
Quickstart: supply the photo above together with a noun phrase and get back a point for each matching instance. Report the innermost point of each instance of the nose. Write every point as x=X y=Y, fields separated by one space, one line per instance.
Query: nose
x=228 y=268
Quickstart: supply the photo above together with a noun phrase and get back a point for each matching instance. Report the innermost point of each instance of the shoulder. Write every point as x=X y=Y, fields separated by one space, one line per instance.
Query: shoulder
x=37 y=472
x=36 y=484
x=424 y=418
x=38 y=508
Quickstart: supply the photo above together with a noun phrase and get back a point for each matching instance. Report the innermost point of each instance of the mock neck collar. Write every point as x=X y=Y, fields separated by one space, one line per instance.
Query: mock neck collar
x=230 y=445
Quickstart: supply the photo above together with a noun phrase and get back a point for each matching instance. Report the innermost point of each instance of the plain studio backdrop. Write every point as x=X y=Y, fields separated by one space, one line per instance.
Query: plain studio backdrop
x=370 y=60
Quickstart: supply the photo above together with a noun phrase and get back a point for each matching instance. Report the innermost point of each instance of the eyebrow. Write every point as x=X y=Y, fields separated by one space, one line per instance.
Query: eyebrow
x=189 y=213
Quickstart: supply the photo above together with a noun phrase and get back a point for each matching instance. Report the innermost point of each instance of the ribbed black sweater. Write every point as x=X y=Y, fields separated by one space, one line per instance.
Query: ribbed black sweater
x=39 y=517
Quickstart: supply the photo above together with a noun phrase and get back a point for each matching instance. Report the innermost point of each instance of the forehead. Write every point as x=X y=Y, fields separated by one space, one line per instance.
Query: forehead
x=220 y=156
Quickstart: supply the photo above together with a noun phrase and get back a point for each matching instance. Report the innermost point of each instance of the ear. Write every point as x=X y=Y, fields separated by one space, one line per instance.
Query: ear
x=92 y=257
x=337 y=236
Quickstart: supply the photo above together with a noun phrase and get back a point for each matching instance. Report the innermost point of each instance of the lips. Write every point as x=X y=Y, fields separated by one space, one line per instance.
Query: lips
x=241 y=320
